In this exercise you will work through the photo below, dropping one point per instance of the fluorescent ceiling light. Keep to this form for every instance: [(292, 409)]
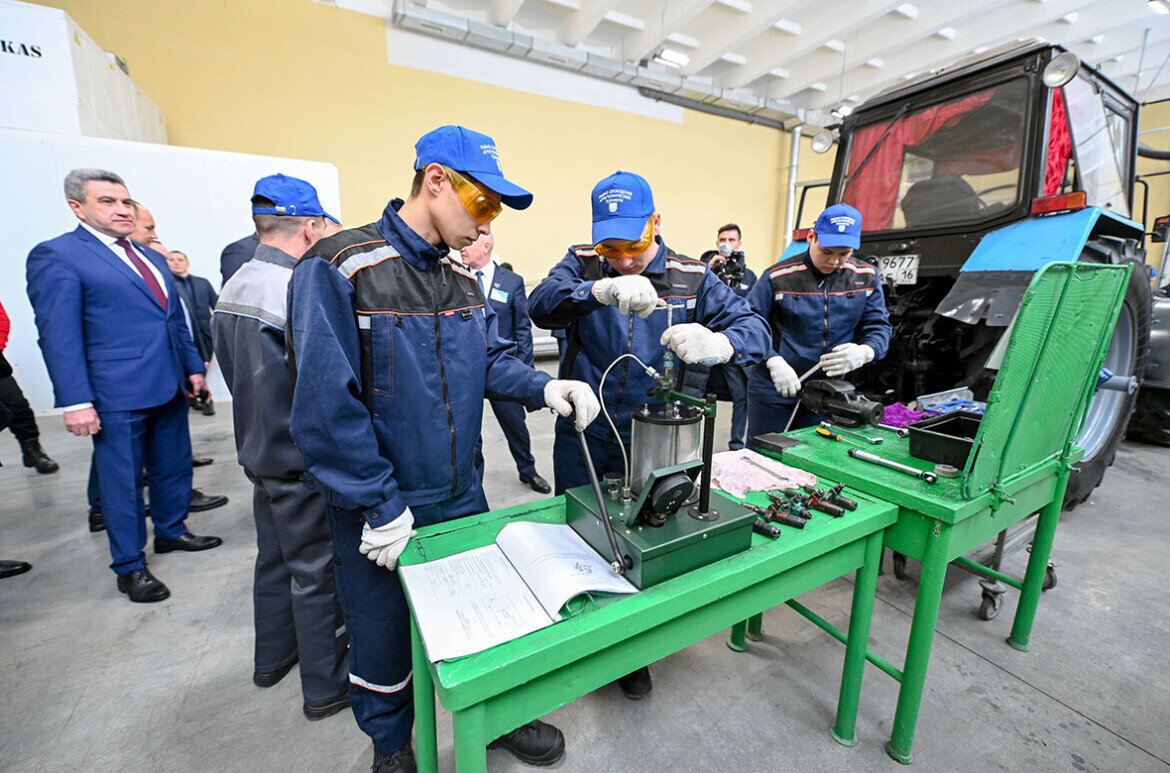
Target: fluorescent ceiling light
[(909, 10), (789, 26), (947, 33), (1158, 6), (680, 39), (672, 58), (778, 72), (875, 63), (733, 58)]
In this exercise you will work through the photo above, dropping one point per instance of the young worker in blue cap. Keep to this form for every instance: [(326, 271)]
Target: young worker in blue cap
[(824, 307), (611, 296), (394, 352), (293, 596)]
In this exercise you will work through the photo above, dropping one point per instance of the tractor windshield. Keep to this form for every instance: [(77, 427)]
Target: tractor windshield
[(953, 162)]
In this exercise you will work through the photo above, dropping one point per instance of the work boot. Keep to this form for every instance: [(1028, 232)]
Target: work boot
[(401, 761), (537, 743), (35, 457), (636, 685)]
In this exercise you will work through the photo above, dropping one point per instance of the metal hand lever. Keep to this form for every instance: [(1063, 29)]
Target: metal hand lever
[(618, 565)]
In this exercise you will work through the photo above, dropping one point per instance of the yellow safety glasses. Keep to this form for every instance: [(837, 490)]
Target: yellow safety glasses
[(481, 206), (614, 249)]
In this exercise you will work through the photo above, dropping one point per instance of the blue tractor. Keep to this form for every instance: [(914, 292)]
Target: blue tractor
[(971, 178)]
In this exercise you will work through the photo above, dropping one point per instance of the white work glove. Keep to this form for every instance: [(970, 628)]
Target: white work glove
[(563, 396), (385, 544), (845, 358), (627, 293), (696, 344), (784, 378)]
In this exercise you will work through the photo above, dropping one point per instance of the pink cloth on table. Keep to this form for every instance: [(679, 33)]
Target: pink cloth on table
[(731, 473), (898, 415)]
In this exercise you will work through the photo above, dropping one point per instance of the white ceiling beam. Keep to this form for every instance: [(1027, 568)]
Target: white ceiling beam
[(935, 52), (733, 33), (502, 12), (586, 20), (918, 49), (659, 26), (764, 56)]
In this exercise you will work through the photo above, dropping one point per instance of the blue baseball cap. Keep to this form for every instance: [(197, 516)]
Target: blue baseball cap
[(469, 153), (291, 196), (839, 226), (621, 204)]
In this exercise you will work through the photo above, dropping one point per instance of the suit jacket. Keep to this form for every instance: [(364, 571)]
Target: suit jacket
[(200, 300), (104, 336), (506, 295), (235, 255)]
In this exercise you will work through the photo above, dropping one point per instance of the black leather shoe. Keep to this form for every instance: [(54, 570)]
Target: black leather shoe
[(142, 586), (636, 685), (13, 568), (313, 713), (537, 743), (201, 501), (97, 522), (401, 761), (209, 408), (201, 461), (34, 456), (269, 678), (537, 484), (188, 542)]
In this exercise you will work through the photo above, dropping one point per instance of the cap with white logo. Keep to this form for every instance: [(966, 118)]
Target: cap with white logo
[(839, 226), (473, 154), (621, 203)]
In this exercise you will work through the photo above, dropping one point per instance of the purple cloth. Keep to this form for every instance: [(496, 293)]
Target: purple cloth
[(898, 415)]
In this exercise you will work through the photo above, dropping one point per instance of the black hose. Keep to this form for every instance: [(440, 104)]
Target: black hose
[(1145, 151)]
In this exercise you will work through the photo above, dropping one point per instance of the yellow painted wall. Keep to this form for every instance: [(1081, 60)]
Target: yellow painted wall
[(305, 80), (1154, 117)]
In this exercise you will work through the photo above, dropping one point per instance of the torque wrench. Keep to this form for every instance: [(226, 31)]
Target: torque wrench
[(865, 456)]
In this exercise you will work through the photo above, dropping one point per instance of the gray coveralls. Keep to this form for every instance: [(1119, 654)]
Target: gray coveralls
[(296, 610)]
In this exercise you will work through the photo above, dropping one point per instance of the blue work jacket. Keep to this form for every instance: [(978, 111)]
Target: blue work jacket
[(394, 351), (600, 334), (809, 313)]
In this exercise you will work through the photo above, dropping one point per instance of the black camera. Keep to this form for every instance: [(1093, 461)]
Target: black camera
[(729, 270)]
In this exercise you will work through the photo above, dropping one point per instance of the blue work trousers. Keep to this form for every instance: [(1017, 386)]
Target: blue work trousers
[(378, 622), (511, 417), (157, 439), (736, 379)]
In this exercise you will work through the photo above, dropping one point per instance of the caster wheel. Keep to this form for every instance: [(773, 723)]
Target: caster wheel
[(989, 608), (899, 566), (1049, 578)]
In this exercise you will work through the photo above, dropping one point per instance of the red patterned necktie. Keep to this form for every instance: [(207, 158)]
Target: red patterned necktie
[(147, 274)]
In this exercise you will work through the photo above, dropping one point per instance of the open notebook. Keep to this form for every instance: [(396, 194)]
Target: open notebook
[(470, 601)]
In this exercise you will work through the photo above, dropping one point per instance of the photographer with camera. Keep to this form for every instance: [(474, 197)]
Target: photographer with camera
[(728, 264)]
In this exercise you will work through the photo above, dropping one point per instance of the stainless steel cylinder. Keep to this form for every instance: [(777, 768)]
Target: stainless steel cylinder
[(662, 435)]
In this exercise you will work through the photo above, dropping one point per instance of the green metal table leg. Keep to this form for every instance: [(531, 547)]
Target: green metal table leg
[(930, 587), (755, 627), (470, 740), (424, 705), (1037, 566), (736, 640), (864, 590)]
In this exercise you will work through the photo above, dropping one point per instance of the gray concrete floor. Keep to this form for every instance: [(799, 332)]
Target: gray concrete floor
[(90, 681)]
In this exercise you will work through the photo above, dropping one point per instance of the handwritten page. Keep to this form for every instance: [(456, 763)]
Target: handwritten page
[(469, 602)]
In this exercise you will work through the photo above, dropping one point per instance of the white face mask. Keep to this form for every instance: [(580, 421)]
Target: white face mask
[(725, 250)]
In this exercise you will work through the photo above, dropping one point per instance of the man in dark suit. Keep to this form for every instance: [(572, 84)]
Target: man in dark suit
[(121, 360), (235, 255), (199, 297), (504, 290)]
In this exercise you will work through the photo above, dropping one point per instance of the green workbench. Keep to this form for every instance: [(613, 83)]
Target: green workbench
[(1020, 462), (492, 692)]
